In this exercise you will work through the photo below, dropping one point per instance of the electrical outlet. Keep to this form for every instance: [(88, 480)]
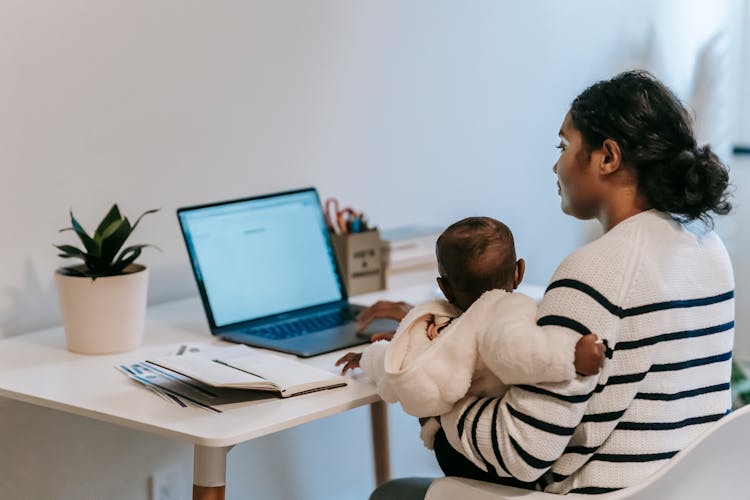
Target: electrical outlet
[(170, 484)]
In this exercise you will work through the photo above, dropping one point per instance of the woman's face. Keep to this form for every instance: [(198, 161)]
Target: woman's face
[(578, 181)]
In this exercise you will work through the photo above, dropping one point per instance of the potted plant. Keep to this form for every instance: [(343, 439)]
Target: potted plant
[(103, 300), (740, 386)]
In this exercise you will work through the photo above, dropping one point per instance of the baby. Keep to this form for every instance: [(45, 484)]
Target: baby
[(444, 350)]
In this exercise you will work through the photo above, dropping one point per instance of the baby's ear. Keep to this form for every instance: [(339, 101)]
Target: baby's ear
[(446, 289), (518, 273)]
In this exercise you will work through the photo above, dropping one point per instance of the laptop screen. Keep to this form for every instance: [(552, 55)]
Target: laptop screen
[(263, 256)]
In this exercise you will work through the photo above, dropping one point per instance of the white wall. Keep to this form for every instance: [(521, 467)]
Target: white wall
[(743, 26), (418, 112)]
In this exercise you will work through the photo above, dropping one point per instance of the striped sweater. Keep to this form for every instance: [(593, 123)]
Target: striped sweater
[(662, 295)]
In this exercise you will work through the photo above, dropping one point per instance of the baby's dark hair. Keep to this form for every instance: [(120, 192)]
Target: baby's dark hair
[(655, 135), (477, 254)]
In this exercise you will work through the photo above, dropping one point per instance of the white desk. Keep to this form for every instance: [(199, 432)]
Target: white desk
[(37, 368)]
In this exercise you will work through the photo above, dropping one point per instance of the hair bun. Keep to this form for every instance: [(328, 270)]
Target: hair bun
[(698, 180)]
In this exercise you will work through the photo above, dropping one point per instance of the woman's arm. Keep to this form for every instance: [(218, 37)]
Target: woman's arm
[(515, 349), (522, 434)]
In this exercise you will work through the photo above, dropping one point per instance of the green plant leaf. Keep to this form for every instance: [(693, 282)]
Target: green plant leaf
[(127, 257), (112, 216), (113, 242), (71, 252), (91, 246), (738, 374), (741, 391), (153, 210), (100, 257), (72, 271), (109, 230)]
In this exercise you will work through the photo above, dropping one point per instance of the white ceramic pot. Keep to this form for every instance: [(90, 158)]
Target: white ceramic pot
[(104, 315)]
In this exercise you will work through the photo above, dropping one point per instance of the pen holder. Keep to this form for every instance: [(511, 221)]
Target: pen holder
[(359, 258)]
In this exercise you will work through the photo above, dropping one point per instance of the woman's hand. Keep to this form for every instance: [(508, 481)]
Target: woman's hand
[(350, 361), (383, 309)]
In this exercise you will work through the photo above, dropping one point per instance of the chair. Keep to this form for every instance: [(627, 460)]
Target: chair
[(714, 466)]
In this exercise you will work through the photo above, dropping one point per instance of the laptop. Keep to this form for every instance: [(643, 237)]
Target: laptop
[(267, 273)]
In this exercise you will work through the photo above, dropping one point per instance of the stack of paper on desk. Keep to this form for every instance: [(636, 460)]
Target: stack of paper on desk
[(210, 376), (409, 246), (241, 367)]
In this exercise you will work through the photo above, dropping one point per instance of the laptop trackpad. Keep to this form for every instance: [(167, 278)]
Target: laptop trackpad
[(322, 342), (379, 326)]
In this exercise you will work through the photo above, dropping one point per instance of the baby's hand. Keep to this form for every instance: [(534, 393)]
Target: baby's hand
[(589, 357), (350, 361), (432, 330)]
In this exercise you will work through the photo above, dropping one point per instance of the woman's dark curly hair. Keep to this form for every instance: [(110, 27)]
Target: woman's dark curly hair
[(655, 135)]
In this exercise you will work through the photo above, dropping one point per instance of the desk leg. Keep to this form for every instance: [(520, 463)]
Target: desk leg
[(380, 441), (209, 472)]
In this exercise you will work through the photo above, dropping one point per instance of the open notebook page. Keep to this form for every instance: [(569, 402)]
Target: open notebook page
[(246, 368), (212, 373)]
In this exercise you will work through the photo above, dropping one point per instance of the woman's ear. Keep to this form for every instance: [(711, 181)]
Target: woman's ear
[(518, 273), (445, 287), (611, 157)]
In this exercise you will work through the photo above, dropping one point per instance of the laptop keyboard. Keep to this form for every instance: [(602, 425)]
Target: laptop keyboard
[(300, 326)]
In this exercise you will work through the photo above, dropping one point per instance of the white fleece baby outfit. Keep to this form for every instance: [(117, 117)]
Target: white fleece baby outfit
[(428, 376)]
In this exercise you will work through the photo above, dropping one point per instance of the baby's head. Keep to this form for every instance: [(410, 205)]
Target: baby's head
[(474, 255)]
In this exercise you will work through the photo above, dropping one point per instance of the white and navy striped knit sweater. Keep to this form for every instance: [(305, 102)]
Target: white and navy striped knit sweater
[(663, 298)]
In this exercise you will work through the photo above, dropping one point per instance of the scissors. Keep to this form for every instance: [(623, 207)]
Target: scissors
[(333, 215)]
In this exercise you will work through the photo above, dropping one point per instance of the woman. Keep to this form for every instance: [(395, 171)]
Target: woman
[(659, 289)]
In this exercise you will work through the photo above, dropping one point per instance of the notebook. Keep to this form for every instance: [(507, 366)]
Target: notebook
[(241, 367), (267, 273)]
